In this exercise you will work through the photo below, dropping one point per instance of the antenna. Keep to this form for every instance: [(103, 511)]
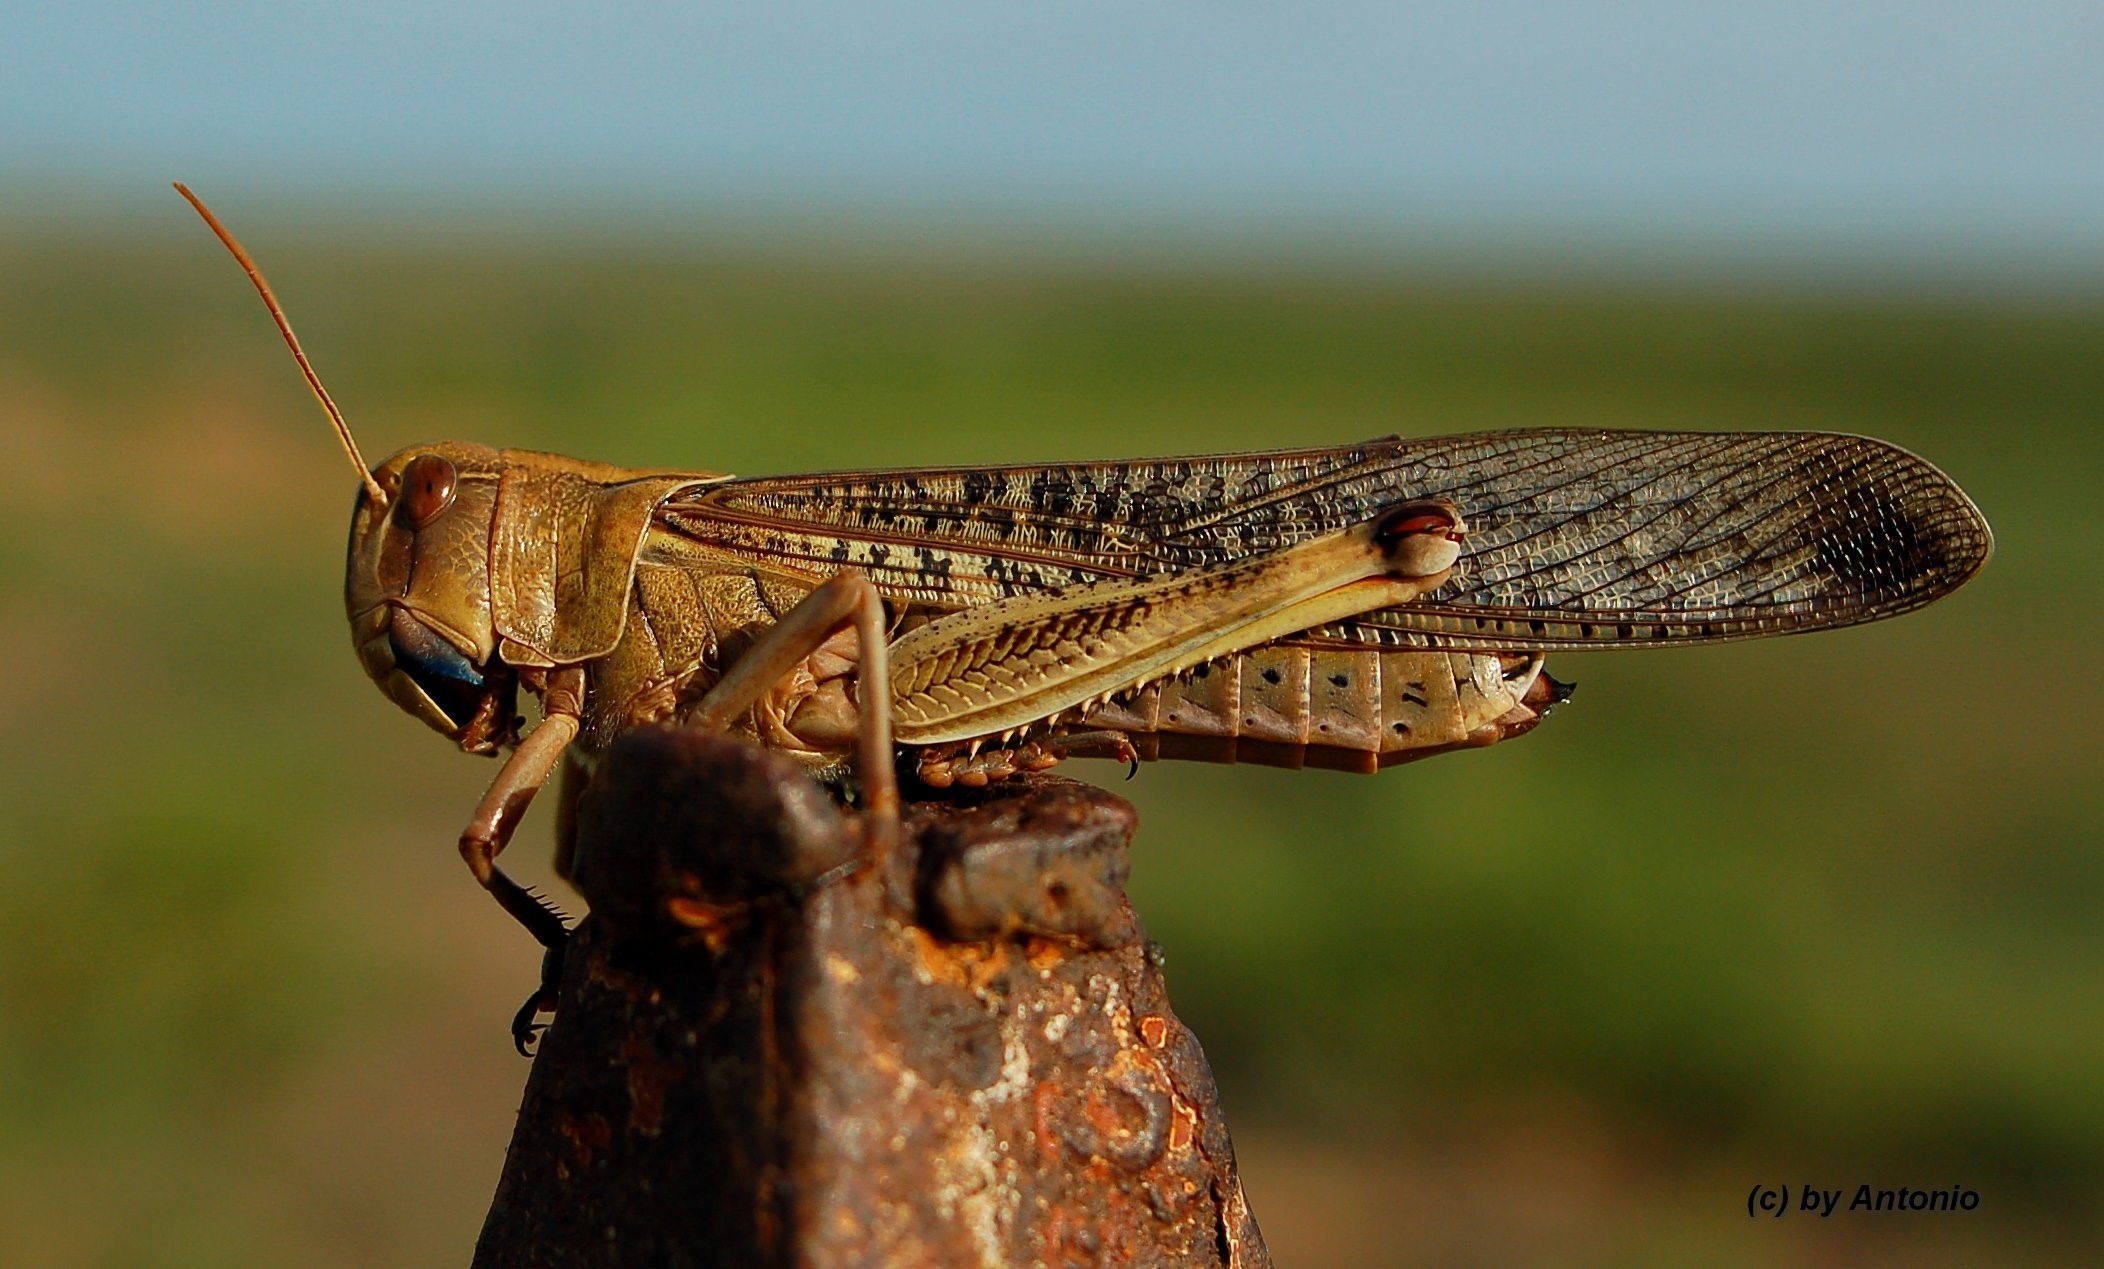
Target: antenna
[(277, 314)]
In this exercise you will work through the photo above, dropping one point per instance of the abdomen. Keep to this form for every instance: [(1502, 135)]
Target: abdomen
[(1296, 704)]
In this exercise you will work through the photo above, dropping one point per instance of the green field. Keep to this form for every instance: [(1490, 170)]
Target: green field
[(1811, 910)]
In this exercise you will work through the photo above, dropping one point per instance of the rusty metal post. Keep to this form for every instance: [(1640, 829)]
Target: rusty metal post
[(765, 1057)]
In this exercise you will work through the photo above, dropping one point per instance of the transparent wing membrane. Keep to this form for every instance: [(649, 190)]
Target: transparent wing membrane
[(1575, 538)]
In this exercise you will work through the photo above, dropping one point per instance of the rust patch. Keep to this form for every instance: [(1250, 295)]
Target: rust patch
[(714, 925), (1044, 1130), (1123, 1120), (648, 1077), (1183, 1125), (588, 1136)]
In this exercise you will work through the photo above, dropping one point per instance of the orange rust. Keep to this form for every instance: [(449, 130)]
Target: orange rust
[(1099, 1106), (587, 1134), (1044, 955), (985, 964), (976, 967), (648, 1077), (1155, 1030), (938, 960), (767, 1228), (714, 924), (1183, 1125), (1044, 1100)]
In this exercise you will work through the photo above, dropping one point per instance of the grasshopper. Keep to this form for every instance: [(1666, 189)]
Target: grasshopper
[(1350, 607)]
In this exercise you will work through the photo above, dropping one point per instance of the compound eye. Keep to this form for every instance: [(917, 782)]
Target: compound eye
[(428, 483)]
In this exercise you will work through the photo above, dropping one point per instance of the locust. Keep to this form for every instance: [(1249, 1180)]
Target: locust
[(1350, 606)]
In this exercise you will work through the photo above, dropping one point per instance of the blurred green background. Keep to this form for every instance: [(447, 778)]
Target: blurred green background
[(1810, 910), (1818, 910)]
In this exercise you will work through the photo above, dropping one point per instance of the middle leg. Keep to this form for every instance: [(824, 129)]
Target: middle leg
[(843, 598)]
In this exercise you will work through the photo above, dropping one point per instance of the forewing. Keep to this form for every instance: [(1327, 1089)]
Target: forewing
[(959, 536), (1575, 538)]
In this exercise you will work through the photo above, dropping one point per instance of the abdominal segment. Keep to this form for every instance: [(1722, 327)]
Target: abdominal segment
[(1307, 704)]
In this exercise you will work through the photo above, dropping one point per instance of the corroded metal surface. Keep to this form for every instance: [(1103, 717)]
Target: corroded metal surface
[(765, 1057)]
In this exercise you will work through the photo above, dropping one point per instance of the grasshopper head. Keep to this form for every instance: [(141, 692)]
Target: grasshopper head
[(418, 592), (418, 580)]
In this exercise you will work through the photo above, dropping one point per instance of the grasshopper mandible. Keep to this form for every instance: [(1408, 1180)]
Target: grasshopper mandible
[(1350, 607)]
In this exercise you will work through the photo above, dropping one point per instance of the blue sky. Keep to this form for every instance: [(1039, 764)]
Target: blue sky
[(1945, 128)]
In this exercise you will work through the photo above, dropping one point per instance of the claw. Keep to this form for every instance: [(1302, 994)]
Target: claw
[(525, 1030)]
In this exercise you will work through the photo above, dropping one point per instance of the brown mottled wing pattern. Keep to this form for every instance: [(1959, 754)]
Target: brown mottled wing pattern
[(1575, 538)]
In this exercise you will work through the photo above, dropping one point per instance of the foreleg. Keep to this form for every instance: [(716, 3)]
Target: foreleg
[(489, 831)]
